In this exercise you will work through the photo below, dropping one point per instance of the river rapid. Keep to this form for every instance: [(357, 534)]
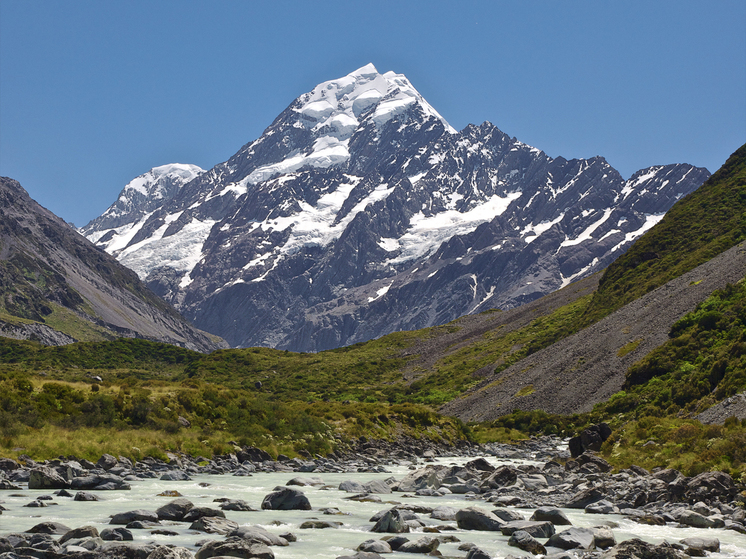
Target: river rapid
[(315, 543)]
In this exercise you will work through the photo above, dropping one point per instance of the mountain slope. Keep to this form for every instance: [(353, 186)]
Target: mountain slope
[(53, 280), (705, 229), (360, 212)]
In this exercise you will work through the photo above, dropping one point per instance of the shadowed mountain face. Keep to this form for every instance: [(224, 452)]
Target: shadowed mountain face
[(57, 287), (360, 212)]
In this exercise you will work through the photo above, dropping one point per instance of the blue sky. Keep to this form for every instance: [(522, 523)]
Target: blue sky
[(94, 93)]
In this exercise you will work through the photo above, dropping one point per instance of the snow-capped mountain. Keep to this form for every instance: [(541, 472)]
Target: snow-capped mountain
[(361, 211)]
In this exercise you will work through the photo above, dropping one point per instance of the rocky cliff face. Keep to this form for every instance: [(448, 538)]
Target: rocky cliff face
[(47, 269), (360, 211)]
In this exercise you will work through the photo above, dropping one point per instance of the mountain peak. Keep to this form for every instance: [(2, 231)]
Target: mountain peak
[(340, 103)]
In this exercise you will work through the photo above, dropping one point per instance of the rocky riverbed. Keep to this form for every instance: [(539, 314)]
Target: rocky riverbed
[(377, 500)]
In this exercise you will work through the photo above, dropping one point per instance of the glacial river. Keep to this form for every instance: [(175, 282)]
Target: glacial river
[(313, 543)]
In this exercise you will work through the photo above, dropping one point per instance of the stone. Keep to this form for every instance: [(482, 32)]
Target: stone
[(195, 513), (257, 534), (166, 552), (214, 525), (236, 505), (696, 520), (319, 524), (636, 548), (553, 515), (377, 486), (175, 475), (286, 499), (107, 462), (583, 498), (477, 553), (475, 518), (573, 538), (479, 464), (48, 528), (503, 476), (106, 482), (425, 544), (174, 510), (698, 546), (78, 533), (116, 534), (305, 481), (83, 496), (601, 507), (375, 546), (535, 529), (234, 547), (443, 513), (603, 537), (709, 485), (44, 477), (525, 541), (392, 521), (350, 486), (508, 515), (131, 516)]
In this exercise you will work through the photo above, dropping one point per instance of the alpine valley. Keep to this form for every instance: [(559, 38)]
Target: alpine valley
[(360, 211)]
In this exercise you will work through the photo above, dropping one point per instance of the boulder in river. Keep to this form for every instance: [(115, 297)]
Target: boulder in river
[(475, 518), (286, 498), (392, 521), (44, 477), (234, 547)]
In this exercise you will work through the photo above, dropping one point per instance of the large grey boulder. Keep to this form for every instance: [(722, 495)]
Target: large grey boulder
[(583, 498), (78, 533), (175, 510), (350, 486), (443, 513), (525, 541), (257, 534), (375, 546), (636, 548), (133, 515), (44, 477), (696, 546), (107, 462), (105, 482), (553, 515), (696, 520), (166, 552), (195, 513), (710, 485), (573, 538), (475, 518), (425, 544), (48, 528), (214, 525), (534, 528), (503, 476), (116, 535), (234, 547), (429, 476), (392, 521), (286, 498)]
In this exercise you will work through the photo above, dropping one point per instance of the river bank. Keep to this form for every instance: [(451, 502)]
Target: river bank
[(476, 503)]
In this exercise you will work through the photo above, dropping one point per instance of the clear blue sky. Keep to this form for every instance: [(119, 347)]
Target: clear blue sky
[(94, 93)]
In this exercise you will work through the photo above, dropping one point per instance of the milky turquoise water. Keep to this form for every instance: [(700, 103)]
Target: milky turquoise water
[(312, 543)]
